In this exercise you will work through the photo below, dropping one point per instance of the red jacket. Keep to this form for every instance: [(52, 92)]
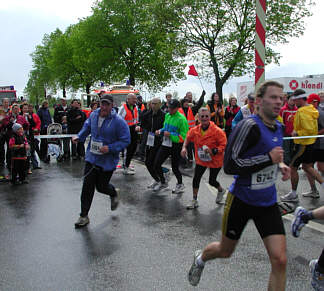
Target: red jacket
[(287, 115), (7, 124), (215, 138)]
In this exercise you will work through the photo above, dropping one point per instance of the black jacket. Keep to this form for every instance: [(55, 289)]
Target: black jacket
[(59, 112), (75, 124), (152, 122)]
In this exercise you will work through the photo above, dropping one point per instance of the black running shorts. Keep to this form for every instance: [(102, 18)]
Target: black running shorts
[(302, 154), (267, 220)]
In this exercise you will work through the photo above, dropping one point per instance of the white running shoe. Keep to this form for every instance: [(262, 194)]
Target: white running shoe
[(160, 186), (289, 197), (220, 196), (153, 184), (195, 270), (193, 204), (179, 188), (128, 171), (312, 194)]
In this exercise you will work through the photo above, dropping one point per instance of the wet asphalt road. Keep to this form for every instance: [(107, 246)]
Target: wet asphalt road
[(146, 244)]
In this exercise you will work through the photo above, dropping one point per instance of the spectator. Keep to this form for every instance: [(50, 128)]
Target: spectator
[(164, 107), (19, 146), (60, 111), (76, 118), (287, 113), (9, 120), (46, 119), (231, 110), (216, 109), (245, 111)]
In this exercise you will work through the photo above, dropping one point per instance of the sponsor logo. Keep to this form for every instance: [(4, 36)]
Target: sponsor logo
[(293, 84)]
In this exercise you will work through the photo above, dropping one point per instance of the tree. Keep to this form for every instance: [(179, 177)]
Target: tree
[(143, 38), (41, 78), (220, 34)]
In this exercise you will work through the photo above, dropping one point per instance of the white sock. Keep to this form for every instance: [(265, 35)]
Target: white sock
[(294, 192), (200, 262)]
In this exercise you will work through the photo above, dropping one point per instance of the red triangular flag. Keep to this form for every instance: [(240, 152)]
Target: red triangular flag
[(192, 71)]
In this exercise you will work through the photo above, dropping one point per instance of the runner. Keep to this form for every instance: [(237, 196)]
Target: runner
[(109, 136), (318, 149), (253, 153), (209, 142), (174, 133), (153, 120), (129, 112), (305, 124), (302, 217)]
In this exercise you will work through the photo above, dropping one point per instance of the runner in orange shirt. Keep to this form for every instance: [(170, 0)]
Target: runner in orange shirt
[(209, 141)]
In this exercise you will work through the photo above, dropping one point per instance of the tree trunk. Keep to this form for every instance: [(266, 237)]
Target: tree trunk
[(64, 92), (219, 90), (132, 80), (88, 94)]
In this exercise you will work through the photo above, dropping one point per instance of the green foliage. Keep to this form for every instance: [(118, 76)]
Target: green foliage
[(220, 34), (143, 37)]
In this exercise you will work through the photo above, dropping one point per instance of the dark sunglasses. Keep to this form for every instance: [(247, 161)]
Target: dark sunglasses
[(203, 116)]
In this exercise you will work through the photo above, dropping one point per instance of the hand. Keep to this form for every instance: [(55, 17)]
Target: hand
[(285, 171), (207, 150), (294, 133), (166, 133), (137, 128), (276, 155), (184, 152), (157, 132), (27, 147), (21, 146), (104, 149), (75, 139), (78, 117)]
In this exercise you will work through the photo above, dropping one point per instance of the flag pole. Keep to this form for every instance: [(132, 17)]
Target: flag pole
[(200, 83)]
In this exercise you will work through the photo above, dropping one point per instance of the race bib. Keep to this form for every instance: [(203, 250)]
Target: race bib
[(150, 139), (203, 156), (95, 147), (264, 178), (167, 141)]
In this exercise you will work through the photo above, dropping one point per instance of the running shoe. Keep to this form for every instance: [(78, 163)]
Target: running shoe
[(82, 221), (153, 184), (195, 270), (160, 186), (179, 188), (128, 171), (114, 200), (312, 194), (297, 224), (193, 204), (289, 197), (220, 196), (317, 277)]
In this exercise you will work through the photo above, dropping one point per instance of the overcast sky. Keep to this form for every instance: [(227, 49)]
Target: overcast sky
[(24, 23)]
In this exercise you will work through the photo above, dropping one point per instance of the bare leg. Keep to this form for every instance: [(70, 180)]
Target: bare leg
[(195, 193), (276, 248), (294, 178), (311, 171), (318, 213), (222, 249)]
